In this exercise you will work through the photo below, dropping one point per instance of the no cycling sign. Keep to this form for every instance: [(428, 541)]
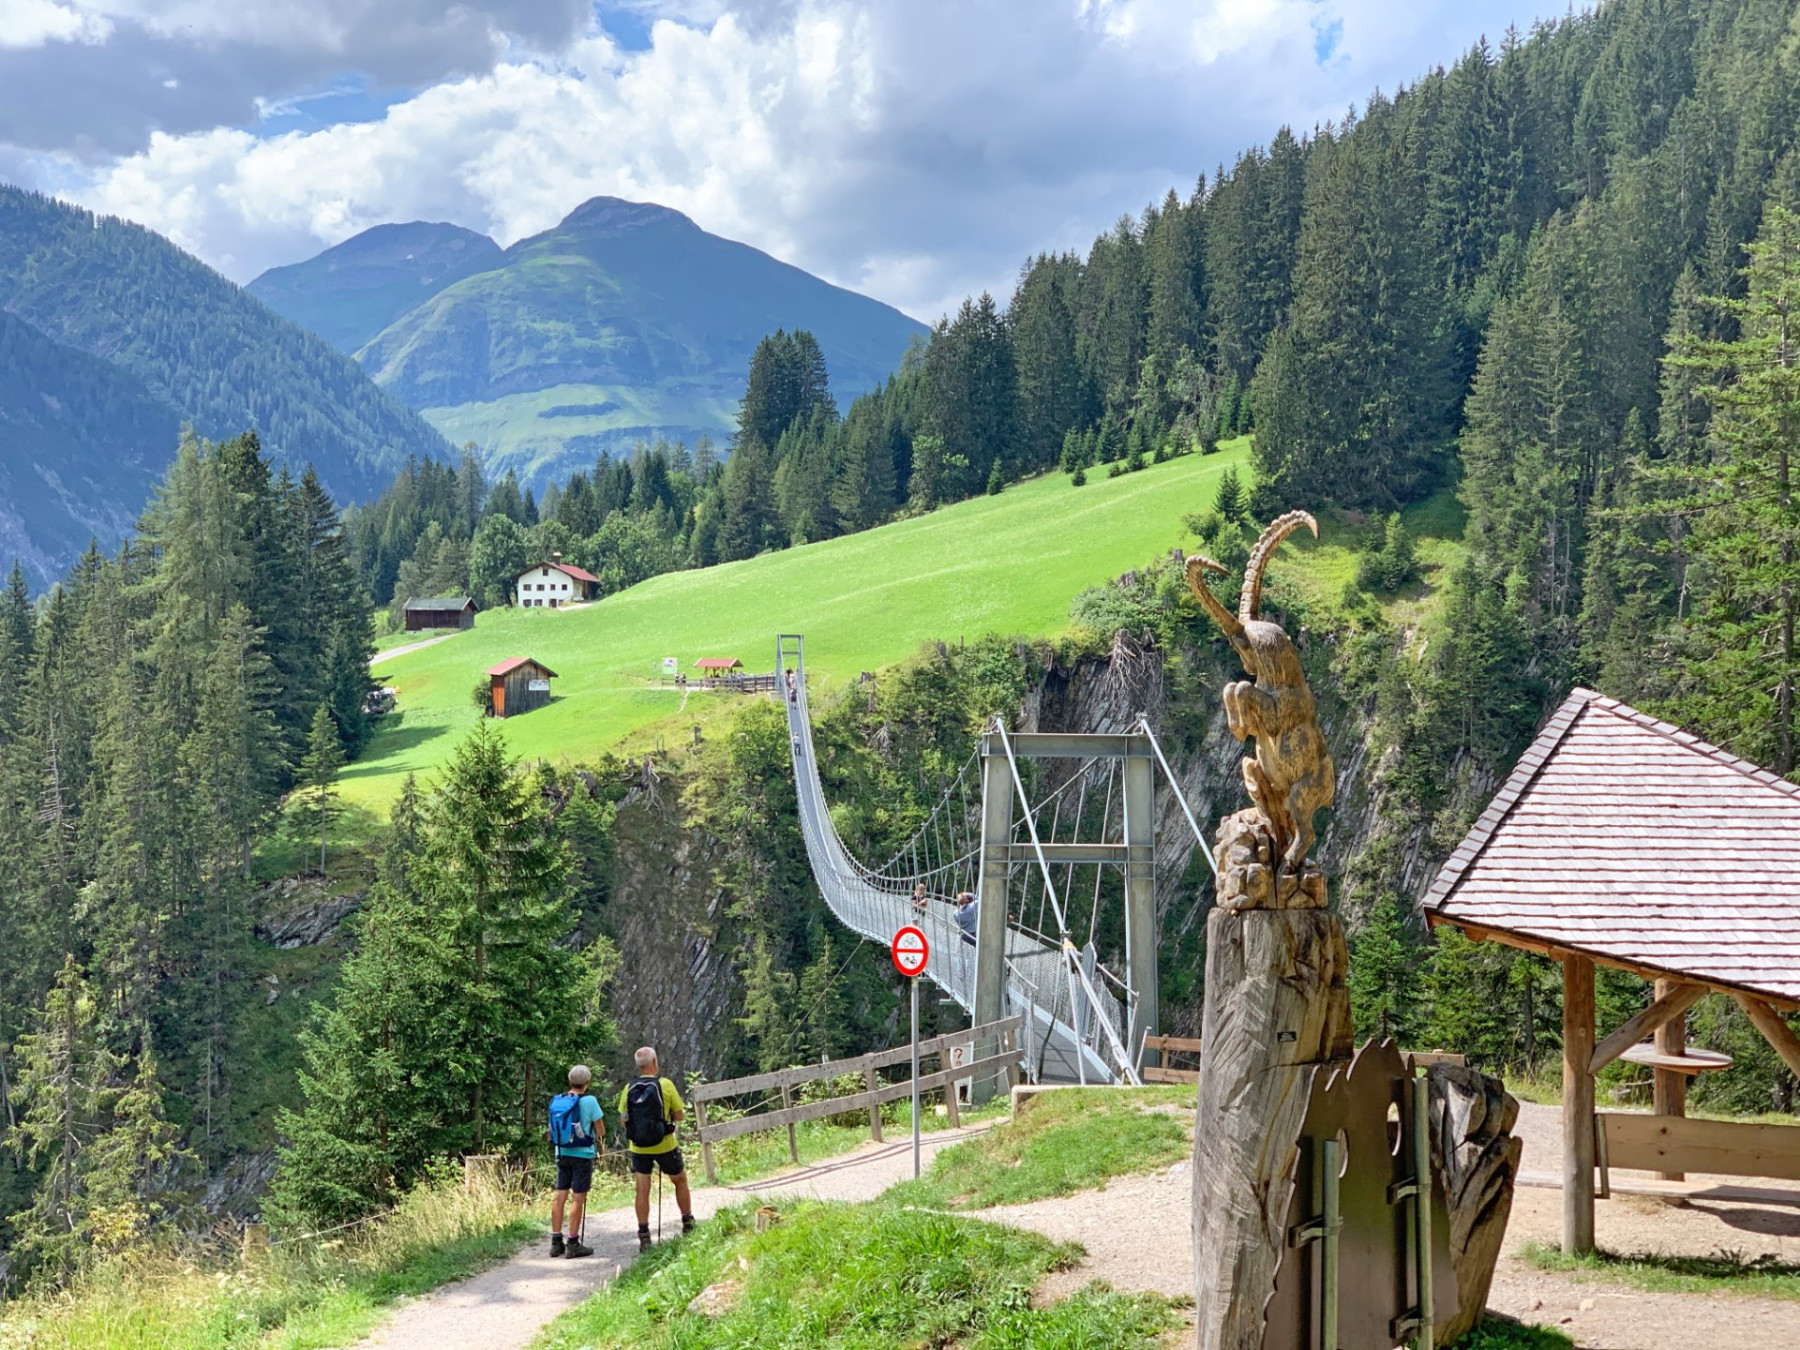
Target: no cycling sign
[(911, 952)]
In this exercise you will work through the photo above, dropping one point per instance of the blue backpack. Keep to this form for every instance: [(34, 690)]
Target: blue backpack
[(566, 1127)]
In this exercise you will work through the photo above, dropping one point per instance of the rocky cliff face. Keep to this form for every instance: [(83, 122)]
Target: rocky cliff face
[(677, 989)]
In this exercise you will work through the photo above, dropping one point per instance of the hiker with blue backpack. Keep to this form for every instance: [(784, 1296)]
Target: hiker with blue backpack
[(650, 1107), (574, 1126)]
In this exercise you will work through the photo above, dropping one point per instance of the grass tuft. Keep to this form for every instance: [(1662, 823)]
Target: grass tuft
[(302, 1295), (1502, 1333), (1723, 1272), (833, 1277), (1070, 1140)]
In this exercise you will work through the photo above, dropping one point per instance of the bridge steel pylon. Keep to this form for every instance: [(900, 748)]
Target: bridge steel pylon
[(1134, 855)]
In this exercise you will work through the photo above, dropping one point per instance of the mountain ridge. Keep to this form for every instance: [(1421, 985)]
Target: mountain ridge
[(624, 320), (178, 334)]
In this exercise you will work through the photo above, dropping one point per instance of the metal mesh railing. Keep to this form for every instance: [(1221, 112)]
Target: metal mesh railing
[(1072, 1024)]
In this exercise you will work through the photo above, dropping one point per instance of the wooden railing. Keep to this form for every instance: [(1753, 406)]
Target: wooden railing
[(1676, 1144), (1172, 1045), (875, 1095)]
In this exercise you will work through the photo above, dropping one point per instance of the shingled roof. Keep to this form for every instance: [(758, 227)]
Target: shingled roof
[(1629, 840)]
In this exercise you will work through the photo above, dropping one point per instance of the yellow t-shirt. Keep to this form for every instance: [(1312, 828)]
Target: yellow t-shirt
[(671, 1104)]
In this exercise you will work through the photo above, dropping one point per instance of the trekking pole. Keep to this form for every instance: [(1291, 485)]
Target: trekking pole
[(659, 1177)]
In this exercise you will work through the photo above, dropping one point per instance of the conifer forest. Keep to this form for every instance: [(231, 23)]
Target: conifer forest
[(1554, 283)]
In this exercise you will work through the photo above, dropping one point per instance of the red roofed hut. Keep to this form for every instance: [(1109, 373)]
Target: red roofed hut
[(518, 686), (717, 667), (1623, 841)]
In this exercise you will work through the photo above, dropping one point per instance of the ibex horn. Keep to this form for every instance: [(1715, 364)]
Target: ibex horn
[(1197, 568), (1250, 603)]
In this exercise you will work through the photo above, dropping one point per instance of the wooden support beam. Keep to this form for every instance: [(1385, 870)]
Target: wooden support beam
[(1775, 1031), (787, 1100), (1663, 1011), (1578, 1106), (874, 1081), (1669, 1088)]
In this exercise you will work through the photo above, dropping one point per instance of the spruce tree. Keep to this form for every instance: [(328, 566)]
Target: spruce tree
[(1231, 502), (315, 803), (1747, 526)]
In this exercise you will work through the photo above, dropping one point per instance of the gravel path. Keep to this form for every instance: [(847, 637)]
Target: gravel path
[(392, 652), (1137, 1235), (504, 1307)]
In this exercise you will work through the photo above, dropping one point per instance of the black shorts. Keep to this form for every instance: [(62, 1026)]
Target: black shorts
[(646, 1163), (574, 1174)]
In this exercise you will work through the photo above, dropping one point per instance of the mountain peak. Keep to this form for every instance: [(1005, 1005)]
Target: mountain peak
[(615, 215)]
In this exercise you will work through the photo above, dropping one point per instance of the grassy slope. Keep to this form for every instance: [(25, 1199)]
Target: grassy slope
[(1007, 564)]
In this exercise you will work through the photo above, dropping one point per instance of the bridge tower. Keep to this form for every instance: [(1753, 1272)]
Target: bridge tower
[(1134, 854)]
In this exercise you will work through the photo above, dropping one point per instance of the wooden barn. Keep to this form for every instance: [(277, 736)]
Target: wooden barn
[(450, 611), (519, 685)]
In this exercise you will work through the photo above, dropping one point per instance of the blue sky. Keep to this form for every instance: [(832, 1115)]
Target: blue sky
[(918, 151)]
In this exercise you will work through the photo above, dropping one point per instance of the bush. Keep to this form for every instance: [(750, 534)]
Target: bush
[(482, 696)]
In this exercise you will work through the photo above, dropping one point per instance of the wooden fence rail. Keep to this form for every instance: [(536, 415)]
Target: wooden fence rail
[(874, 1096), (1165, 1046)]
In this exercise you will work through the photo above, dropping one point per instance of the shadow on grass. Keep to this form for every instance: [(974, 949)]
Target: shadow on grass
[(397, 740)]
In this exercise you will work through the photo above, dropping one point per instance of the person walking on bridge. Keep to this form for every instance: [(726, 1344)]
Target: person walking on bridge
[(574, 1123), (968, 908), (651, 1109)]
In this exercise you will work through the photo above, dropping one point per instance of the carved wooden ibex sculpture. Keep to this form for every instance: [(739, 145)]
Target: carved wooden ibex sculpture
[(1290, 777)]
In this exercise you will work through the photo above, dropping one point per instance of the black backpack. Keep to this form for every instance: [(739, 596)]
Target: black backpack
[(646, 1122)]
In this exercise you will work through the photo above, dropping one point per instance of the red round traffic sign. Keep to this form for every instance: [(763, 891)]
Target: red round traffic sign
[(911, 951)]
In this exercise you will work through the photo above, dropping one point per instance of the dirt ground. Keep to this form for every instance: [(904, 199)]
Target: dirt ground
[(1138, 1237)]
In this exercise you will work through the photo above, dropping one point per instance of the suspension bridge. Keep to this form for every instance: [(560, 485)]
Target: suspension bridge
[(1054, 834)]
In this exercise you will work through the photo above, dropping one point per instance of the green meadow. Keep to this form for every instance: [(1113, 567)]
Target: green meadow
[(1004, 564)]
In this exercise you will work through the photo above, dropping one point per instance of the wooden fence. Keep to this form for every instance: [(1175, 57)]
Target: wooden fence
[(875, 1095), (1677, 1144), (1171, 1045)]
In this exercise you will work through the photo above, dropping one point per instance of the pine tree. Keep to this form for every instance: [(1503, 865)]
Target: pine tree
[(315, 789), (996, 479), (63, 1068), (1231, 502), (1381, 977), (749, 522), (1747, 531), (15, 613)]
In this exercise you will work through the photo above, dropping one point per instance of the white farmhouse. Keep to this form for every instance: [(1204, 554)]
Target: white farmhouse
[(553, 584)]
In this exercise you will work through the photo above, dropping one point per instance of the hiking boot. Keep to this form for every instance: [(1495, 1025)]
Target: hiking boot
[(643, 1239), (687, 1223), (556, 1244), (577, 1247)]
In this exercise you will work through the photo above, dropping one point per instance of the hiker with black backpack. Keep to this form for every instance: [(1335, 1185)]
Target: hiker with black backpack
[(574, 1124), (650, 1107)]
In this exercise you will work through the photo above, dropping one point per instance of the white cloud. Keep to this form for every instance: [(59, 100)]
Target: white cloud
[(33, 23), (917, 152)]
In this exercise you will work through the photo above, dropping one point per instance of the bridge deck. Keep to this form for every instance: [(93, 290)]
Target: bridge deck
[(1038, 986)]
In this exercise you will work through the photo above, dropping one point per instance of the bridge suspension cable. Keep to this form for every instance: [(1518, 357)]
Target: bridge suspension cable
[(1080, 1029)]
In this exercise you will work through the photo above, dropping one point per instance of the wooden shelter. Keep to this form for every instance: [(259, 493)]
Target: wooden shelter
[(452, 611), (519, 685), (1623, 841), (717, 667)]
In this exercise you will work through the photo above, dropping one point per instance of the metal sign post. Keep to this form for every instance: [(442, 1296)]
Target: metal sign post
[(911, 952)]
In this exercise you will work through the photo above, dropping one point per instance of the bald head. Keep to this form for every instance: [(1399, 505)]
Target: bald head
[(646, 1060)]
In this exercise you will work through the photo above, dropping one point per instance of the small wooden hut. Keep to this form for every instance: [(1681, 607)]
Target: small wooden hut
[(1623, 841), (519, 685), (718, 667), (450, 611)]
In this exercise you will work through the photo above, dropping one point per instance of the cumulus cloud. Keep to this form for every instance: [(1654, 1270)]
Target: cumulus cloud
[(916, 152), (35, 23), (96, 78)]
